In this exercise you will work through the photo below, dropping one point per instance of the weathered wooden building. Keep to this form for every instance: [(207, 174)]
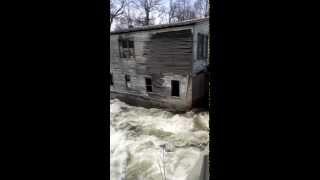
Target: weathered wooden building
[(160, 65)]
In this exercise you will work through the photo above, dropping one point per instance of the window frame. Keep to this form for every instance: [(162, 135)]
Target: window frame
[(128, 51), (202, 46)]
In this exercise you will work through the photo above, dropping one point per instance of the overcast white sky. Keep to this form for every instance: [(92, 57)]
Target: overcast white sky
[(157, 18)]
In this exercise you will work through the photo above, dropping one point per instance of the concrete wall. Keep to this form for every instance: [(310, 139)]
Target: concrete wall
[(201, 170)]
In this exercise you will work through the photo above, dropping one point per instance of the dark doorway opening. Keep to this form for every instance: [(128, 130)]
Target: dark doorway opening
[(175, 88), (111, 79), (149, 84)]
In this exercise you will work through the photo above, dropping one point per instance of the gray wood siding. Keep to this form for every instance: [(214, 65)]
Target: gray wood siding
[(161, 55), (169, 52), (199, 64)]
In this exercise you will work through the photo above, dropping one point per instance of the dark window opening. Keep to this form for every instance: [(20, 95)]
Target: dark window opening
[(202, 47), (126, 48), (199, 47), (127, 78), (124, 44), (149, 84), (175, 88), (206, 47), (131, 44), (111, 79)]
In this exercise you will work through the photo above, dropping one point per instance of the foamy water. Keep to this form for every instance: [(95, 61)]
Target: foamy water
[(136, 136)]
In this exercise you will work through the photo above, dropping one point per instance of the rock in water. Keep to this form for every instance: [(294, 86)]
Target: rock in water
[(168, 147)]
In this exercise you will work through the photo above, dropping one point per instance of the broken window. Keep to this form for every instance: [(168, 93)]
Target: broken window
[(111, 79), (126, 48), (202, 48), (127, 78), (149, 84), (175, 88)]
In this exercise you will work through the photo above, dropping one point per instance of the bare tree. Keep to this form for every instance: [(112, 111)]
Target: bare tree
[(147, 6), (145, 12), (116, 9), (172, 10), (163, 15), (139, 20), (202, 8), (184, 10), (122, 23), (127, 19)]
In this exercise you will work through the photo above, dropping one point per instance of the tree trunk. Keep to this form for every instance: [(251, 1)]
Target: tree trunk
[(147, 18)]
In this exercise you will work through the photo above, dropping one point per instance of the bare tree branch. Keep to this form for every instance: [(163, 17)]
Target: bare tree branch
[(116, 9), (184, 10), (148, 6), (202, 8)]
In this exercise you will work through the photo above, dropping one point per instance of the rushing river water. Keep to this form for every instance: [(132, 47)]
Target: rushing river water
[(137, 136)]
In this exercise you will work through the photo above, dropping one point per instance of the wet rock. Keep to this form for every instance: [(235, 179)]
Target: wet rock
[(124, 109), (168, 147), (188, 114)]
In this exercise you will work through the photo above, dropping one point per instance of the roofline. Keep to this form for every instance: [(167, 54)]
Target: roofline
[(161, 26)]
